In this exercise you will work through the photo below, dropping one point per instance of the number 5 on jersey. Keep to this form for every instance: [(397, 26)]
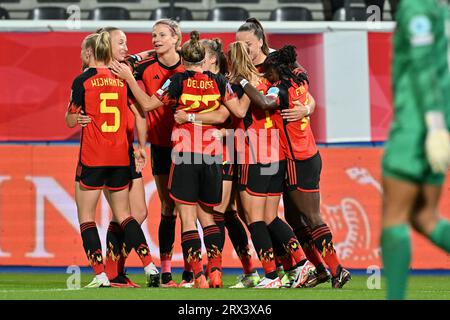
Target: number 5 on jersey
[(104, 108)]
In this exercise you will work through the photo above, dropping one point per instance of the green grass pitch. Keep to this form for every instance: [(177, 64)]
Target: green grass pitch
[(37, 286)]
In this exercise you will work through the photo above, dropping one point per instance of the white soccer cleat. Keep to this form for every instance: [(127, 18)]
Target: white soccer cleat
[(152, 275), (267, 283), (305, 276), (186, 284), (99, 281), (247, 281)]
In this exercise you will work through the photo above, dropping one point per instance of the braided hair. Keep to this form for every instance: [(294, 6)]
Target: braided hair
[(283, 61)]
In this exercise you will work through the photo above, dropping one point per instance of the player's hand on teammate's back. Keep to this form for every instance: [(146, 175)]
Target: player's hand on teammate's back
[(180, 117), (297, 113), (437, 143), (82, 119)]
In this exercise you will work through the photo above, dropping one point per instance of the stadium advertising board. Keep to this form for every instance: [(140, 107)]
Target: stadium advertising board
[(39, 226)]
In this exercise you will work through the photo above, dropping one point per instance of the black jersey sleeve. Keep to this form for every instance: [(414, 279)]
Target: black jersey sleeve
[(77, 95)]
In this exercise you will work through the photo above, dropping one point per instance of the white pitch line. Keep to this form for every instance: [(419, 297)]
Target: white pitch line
[(36, 290)]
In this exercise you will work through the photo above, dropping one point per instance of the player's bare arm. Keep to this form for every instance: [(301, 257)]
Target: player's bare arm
[(265, 102), (238, 106), (299, 111), (140, 154), (146, 102)]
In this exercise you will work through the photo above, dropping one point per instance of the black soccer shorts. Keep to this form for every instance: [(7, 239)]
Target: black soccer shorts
[(304, 175), (262, 179), (161, 159), (112, 178), (196, 183)]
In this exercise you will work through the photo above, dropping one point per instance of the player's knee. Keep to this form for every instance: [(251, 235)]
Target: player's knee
[(395, 214), (221, 207), (313, 217), (140, 215), (424, 221)]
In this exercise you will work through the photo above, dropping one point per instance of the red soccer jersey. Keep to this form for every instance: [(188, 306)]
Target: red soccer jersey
[(261, 142), (160, 121), (195, 92), (103, 97), (297, 138)]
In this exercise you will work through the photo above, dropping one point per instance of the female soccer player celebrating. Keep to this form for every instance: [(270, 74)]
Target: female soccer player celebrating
[(260, 192), (103, 159), (304, 162), (159, 66), (197, 153)]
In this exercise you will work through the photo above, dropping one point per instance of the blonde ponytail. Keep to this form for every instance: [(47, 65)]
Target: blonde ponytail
[(103, 48)]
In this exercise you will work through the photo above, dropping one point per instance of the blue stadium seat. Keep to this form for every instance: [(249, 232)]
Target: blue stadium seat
[(109, 13), (291, 14), (228, 14), (48, 13), (3, 14), (179, 13)]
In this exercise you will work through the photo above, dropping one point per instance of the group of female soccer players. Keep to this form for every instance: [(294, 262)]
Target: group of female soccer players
[(229, 136)]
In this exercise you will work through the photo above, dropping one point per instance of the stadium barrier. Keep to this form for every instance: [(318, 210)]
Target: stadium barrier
[(39, 226), (348, 65)]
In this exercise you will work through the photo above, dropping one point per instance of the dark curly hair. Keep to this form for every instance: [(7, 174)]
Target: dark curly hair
[(284, 62)]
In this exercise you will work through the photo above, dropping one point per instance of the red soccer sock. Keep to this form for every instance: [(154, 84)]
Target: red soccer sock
[(246, 259), (111, 265), (268, 262), (323, 240), (92, 246), (134, 238), (263, 245), (114, 244), (192, 250), (212, 237), (288, 262), (187, 266), (304, 236), (283, 234), (313, 254)]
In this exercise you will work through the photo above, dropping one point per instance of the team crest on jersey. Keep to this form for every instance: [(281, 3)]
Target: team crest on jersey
[(420, 30)]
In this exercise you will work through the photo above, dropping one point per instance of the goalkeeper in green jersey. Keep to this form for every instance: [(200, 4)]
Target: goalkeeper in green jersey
[(417, 154)]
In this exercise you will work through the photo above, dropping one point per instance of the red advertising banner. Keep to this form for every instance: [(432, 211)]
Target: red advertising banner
[(38, 69), (39, 225)]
